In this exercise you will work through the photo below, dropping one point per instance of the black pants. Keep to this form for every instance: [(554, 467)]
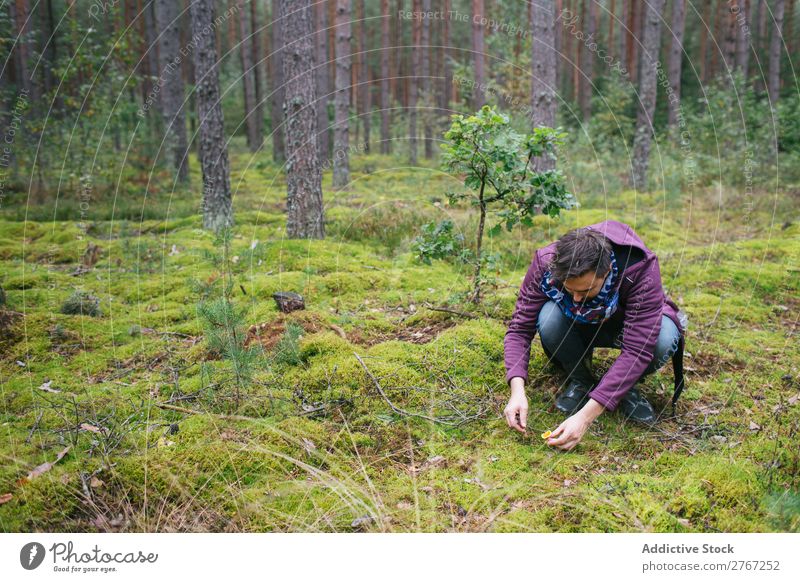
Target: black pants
[(570, 344)]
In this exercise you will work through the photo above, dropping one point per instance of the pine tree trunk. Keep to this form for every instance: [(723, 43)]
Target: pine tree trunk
[(622, 51), (48, 36), (587, 59), (478, 55), (647, 92), (395, 59), (341, 131), (413, 89), (246, 58), (167, 13), (25, 48), (303, 173), (676, 59), (323, 83), (258, 67), (364, 99), (612, 17), (744, 36), (705, 31), (217, 206), (151, 36), (788, 34), (427, 101), (633, 39), (728, 21), (276, 85), (543, 58), (447, 90), (775, 49), (386, 18)]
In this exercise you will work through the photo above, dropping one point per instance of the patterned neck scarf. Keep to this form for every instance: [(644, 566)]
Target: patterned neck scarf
[(595, 310)]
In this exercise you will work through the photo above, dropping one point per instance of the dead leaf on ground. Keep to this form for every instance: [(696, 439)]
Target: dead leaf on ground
[(429, 464), (5, 498), (308, 445), (45, 467), (754, 426), (46, 387), (90, 428), (95, 483)]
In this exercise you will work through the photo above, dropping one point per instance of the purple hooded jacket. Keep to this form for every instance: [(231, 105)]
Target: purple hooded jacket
[(642, 302)]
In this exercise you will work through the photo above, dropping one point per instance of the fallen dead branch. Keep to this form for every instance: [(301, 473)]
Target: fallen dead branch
[(448, 310), (183, 410), (455, 420)]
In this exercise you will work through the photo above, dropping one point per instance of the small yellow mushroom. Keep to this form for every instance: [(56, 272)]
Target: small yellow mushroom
[(546, 434)]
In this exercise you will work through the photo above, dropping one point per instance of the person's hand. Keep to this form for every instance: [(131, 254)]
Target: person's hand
[(516, 411), (570, 432)]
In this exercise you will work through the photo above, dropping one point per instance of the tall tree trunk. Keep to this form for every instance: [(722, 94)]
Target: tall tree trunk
[(587, 59), (167, 21), (728, 21), (763, 35), (543, 58), (150, 36), (246, 56), (364, 99), (775, 49), (427, 103), (622, 51), (631, 48), (258, 68), (341, 131), (791, 39), (395, 59), (718, 36), (217, 205), (612, 16), (577, 54), (559, 42), (47, 24), (386, 18), (276, 74), (705, 33), (478, 55), (303, 173), (447, 90), (647, 92), (744, 36), (412, 84), (21, 18), (762, 45), (676, 59), (323, 83)]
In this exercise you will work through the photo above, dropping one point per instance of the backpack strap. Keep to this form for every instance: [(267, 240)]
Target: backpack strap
[(677, 368)]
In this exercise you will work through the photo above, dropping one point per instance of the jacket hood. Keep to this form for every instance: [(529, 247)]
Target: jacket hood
[(620, 233)]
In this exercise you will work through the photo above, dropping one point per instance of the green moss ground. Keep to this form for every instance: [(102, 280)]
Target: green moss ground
[(728, 462)]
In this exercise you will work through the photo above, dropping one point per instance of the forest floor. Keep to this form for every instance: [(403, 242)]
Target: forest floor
[(301, 439)]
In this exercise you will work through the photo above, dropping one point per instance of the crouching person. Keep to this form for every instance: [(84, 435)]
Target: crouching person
[(597, 286)]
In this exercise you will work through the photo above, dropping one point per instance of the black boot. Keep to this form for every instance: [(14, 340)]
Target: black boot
[(573, 397), (635, 407)]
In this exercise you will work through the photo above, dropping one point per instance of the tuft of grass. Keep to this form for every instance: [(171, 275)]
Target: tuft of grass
[(82, 303)]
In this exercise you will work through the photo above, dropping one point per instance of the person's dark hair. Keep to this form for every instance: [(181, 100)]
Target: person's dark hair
[(579, 252)]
